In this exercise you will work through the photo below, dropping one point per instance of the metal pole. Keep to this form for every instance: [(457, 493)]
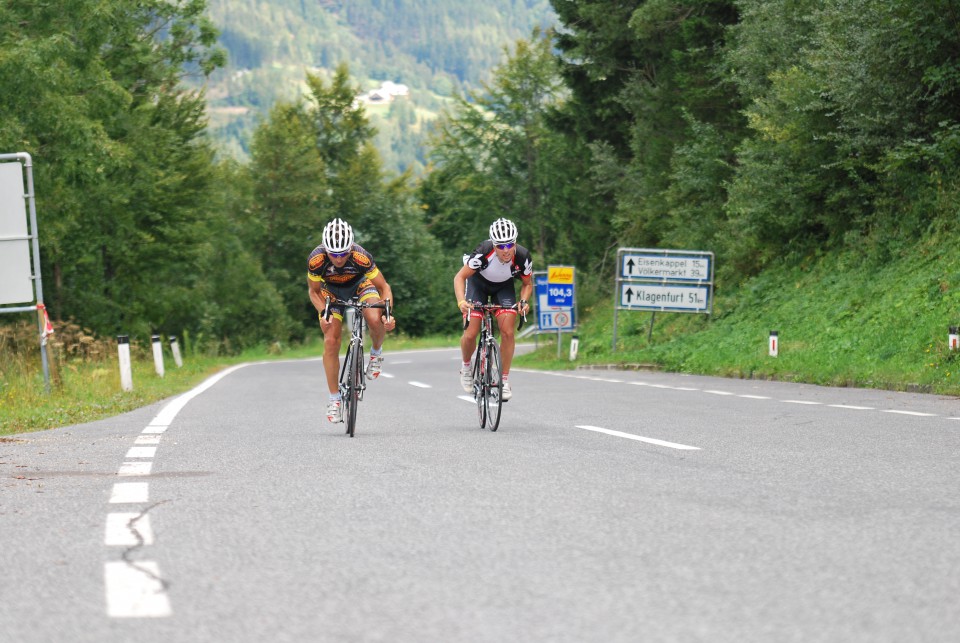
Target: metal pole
[(613, 349), (38, 279)]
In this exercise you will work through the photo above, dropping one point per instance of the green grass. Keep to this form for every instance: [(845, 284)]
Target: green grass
[(843, 320), (90, 390)]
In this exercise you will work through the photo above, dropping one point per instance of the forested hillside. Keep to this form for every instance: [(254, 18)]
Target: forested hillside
[(775, 133), (435, 47)]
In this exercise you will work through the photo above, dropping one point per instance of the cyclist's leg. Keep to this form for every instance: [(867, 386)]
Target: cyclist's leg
[(331, 342), (367, 292), (506, 295), (476, 291)]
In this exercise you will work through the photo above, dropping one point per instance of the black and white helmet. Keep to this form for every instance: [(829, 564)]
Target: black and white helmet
[(338, 236), (503, 231)]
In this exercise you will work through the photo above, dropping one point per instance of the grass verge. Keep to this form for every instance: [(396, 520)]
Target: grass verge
[(87, 389)]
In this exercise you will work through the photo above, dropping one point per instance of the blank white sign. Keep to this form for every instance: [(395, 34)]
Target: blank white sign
[(16, 283)]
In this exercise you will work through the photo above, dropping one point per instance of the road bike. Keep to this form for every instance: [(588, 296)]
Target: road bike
[(353, 375), (487, 374)]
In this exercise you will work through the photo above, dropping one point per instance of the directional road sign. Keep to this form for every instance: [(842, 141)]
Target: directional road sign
[(673, 298), (672, 267)]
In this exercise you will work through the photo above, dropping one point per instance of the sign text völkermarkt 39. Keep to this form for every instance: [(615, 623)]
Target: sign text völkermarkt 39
[(676, 267)]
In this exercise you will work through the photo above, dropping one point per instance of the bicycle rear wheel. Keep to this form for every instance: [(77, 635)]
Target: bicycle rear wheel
[(478, 388), (493, 387)]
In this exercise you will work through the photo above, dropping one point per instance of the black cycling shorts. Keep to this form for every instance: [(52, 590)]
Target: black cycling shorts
[(486, 292)]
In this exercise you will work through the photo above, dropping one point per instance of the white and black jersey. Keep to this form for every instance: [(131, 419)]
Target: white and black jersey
[(490, 269)]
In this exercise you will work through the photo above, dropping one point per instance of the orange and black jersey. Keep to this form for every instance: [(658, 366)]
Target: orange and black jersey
[(360, 265), (484, 260)]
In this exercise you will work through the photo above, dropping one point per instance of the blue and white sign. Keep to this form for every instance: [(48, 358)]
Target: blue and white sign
[(560, 295), (550, 316)]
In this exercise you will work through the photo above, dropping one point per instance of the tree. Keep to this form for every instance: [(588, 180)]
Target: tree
[(495, 155)]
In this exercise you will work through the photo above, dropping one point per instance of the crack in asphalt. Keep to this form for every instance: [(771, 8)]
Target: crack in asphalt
[(164, 584)]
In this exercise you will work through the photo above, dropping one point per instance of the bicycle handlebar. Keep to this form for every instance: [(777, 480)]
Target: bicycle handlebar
[(359, 305), (482, 307)]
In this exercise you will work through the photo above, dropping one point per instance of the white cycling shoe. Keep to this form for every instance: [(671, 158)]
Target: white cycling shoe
[(334, 412), (507, 393), (375, 366), (466, 379)]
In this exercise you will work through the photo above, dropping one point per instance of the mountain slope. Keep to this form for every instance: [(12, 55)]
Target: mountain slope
[(435, 47)]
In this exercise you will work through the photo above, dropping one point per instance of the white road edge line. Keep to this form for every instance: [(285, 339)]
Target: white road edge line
[(419, 384), (807, 402), (135, 591), (917, 413), (467, 398), (135, 469), (123, 528), (850, 406), (141, 452), (630, 436), (129, 492)]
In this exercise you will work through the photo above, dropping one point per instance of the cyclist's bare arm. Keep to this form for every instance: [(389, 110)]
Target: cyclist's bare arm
[(526, 291), (316, 296), (386, 294), (460, 287)]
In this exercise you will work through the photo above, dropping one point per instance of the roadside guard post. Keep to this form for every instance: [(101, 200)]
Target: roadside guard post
[(123, 356), (157, 354), (175, 349), (774, 343), (20, 281), (676, 281), (555, 291)]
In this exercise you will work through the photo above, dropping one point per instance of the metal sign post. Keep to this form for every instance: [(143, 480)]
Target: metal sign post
[(677, 281), (20, 281)]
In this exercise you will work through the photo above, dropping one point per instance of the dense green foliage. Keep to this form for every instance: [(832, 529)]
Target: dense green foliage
[(764, 128), (497, 156), (776, 133)]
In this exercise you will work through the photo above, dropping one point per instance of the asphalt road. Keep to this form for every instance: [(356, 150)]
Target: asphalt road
[(610, 506)]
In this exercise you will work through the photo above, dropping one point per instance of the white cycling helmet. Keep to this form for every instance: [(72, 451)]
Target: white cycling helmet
[(503, 231), (338, 236)]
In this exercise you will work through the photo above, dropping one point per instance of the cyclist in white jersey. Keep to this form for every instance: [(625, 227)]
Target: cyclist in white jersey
[(487, 276)]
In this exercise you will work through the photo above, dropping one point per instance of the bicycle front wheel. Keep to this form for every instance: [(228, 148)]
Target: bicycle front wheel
[(493, 387), (355, 379), (478, 388)]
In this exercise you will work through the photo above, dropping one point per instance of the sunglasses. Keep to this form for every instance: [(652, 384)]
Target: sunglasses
[(337, 255), (505, 246)]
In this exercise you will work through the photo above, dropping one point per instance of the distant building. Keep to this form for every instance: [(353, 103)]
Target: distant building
[(387, 92)]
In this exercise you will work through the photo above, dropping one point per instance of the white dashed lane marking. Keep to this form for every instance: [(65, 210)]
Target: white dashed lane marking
[(141, 452), (745, 396), (128, 530), (639, 438), (128, 492), (917, 413), (136, 589)]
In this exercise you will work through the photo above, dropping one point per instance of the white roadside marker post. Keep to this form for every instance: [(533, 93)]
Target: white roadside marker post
[(175, 347), (123, 353), (157, 354)]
